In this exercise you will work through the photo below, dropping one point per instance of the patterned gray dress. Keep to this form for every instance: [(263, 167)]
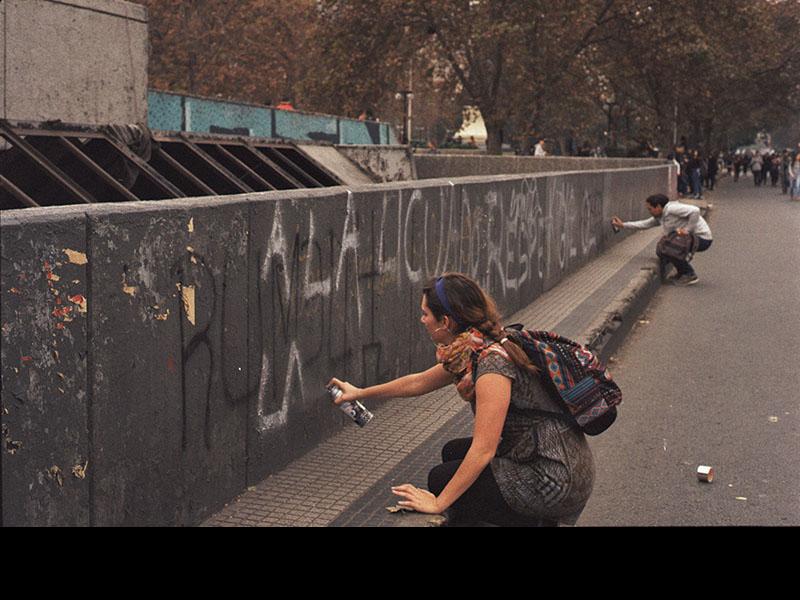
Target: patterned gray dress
[(543, 467)]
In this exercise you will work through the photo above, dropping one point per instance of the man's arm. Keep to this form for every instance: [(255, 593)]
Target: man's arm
[(645, 224)]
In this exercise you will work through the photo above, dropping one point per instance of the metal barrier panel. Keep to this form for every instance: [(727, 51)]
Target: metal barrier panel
[(175, 112), (360, 132), (50, 164), (164, 111), (299, 126), (206, 116), (388, 136)]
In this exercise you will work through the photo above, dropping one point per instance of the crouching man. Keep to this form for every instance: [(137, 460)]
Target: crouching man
[(682, 220)]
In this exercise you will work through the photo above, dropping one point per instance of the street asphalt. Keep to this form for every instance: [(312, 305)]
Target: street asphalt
[(710, 377)]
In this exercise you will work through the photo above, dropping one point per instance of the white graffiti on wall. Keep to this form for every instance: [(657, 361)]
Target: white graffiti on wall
[(510, 238), (311, 289), (350, 246), (279, 418), (391, 264)]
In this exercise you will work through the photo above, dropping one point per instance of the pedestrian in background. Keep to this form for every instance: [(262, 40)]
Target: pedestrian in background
[(696, 175), (711, 170), (683, 170), (774, 168), (756, 166), (794, 176), (786, 159), (516, 469)]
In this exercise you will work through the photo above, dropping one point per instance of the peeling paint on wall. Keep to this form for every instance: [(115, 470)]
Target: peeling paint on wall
[(187, 295), (128, 289), (76, 258), (80, 300)]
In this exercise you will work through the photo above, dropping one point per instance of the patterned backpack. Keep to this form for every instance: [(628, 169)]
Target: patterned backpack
[(574, 377)]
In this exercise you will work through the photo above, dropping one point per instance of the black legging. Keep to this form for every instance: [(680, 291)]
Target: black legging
[(483, 501)]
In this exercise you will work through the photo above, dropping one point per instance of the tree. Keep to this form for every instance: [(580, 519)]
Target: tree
[(502, 56), (509, 56), (703, 69), (251, 50), (637, 71)]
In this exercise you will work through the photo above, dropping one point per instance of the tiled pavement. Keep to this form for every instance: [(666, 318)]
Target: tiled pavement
[(345, 480)]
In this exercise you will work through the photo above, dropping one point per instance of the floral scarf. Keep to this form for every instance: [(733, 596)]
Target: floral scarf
[(456, 358)]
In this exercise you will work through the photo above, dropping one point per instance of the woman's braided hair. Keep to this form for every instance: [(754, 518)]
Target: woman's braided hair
[(472, 307)]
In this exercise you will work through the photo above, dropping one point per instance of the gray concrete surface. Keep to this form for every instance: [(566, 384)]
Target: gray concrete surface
[(335, 161), (80, 61), (384, 163)]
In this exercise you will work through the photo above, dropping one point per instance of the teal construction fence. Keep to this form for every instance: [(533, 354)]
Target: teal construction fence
[(175, 112)]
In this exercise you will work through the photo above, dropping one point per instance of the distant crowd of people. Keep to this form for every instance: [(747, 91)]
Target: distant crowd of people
[(698, 171), (768, 167)]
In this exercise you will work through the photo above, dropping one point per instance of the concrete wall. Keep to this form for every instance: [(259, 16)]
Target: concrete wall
[(82, 61), (159, 357), (432, 166), (335, 161), (384, 164)]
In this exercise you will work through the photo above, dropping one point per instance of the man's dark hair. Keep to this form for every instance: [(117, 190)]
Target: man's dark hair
[(657, 200)]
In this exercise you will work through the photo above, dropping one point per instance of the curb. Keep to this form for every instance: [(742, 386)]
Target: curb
[(607, 333)]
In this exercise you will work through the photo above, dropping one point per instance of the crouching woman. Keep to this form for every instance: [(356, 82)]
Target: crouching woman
[(522, 466)]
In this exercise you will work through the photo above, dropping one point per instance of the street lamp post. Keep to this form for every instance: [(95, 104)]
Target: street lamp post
[(406, 96)]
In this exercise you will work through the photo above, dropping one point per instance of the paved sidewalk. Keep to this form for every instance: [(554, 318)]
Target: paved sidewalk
[(345, 480)]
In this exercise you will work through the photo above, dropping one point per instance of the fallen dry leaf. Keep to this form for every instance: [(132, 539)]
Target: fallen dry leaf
[(79, 471), (55, 474)]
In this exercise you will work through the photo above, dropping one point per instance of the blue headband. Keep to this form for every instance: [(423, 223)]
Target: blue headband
[(443, 301)]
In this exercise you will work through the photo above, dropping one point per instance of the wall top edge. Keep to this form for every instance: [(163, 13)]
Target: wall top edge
[(114, 8), (17, 216)]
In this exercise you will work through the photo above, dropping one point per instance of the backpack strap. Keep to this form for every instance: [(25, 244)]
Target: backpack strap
[(516, 331), (693, 247)]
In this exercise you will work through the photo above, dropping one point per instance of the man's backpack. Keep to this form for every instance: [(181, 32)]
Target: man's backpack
[(574, 377)]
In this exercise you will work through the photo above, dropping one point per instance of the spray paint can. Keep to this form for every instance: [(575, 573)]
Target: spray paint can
[(354, 409)]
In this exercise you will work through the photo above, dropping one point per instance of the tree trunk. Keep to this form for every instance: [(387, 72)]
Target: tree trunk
[(494, 136)]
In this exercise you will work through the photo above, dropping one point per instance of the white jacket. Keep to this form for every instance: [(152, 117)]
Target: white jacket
[(676, 215)]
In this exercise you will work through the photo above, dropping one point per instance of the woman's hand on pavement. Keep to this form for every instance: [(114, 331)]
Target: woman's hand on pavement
[(420, 500)]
